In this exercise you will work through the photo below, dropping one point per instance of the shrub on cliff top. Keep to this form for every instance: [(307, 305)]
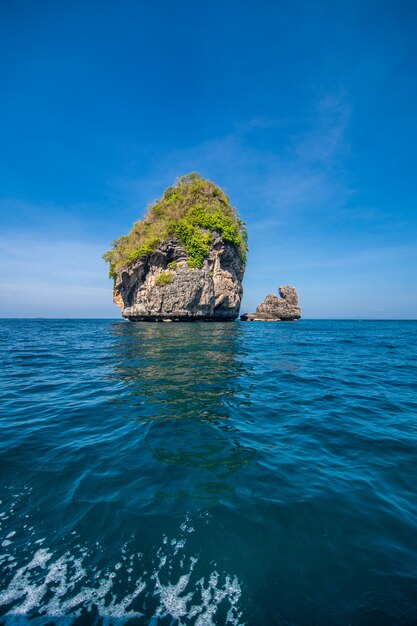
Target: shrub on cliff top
[(191, 210)]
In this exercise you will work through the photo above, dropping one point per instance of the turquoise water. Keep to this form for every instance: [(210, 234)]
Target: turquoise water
[(208, 473)]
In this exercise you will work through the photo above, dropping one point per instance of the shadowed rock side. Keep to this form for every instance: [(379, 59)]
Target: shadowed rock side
[(274, 309), (161, 287)]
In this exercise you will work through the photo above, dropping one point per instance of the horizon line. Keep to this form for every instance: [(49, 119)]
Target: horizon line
[(305, 319)]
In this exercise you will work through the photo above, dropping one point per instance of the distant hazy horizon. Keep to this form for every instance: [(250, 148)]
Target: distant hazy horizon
[(305, 319)]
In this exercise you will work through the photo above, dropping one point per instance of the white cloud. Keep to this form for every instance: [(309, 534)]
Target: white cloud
[(50, 277), (293, 191), (299, 171)]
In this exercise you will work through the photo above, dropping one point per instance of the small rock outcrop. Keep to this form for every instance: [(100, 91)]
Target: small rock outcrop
[(274, 309), (185, 260)]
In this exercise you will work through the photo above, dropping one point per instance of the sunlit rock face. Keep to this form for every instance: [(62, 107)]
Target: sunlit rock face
[(274, 309), (162, 287), (184, 260)]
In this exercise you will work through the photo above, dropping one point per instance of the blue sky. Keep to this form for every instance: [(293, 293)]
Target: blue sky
[(304, 112)]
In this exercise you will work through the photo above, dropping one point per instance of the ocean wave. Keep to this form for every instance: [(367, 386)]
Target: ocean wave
[(46, 585)]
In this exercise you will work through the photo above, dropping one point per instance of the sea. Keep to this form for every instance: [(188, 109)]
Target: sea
[(208, 473)]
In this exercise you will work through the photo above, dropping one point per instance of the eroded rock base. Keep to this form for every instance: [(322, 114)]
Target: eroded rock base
[(180, 319)]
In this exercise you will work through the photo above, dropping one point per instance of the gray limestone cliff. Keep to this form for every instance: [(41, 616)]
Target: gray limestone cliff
[(274, 309), (184, 260), (162, 287)]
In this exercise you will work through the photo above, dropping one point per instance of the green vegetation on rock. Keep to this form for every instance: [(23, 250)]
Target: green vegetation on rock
[(164, 278), (191, 210)]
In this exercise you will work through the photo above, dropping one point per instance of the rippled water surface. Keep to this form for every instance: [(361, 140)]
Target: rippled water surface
[(208, 473)]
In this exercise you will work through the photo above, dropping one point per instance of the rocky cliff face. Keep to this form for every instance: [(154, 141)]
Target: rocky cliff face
[(184, 260), (162, 287), (274, 309)]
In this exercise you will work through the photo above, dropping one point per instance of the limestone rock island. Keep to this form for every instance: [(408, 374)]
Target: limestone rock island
[(185, 260), (274, 309)]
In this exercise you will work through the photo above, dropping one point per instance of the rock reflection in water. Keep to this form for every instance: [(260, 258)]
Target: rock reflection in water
[(183, 386)]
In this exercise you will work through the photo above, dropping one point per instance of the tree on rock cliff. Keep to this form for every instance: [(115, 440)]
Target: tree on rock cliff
[(190, 210)]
